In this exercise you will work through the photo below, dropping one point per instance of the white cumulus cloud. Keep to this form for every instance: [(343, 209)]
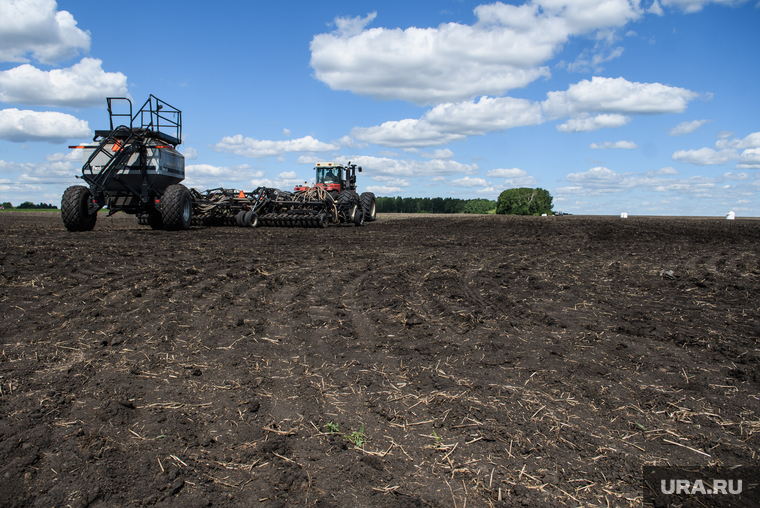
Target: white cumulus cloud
[(706, 156), (55, 172), (190, 153), (625, 145), (392, 182), (470, 182), (601, 181), (255, 148), (285, 181), (727, 149), (591, 123), (23, 125), (80, 86), (749, 159), (591, 105), (692, 6), (616, 95), (506, 48), (687, 127), (402, 168), (36, 27), (507, 173), (664, 171), (206, 176), (444, 153), (450, 122), (383, 190), (74, 155)]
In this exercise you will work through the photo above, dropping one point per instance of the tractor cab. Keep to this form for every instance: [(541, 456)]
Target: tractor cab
[(333, 177), (330, 176)]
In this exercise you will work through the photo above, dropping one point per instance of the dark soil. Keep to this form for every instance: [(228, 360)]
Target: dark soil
[(417, 361)]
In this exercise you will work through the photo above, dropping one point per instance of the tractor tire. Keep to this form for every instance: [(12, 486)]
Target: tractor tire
[(251, 219), (74, 209), (349, 196), (348, 200), (177, 208), (359, 216), (369, 206), (240, 218)]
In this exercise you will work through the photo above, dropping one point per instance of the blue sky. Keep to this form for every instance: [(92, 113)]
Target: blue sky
[(612, 105)]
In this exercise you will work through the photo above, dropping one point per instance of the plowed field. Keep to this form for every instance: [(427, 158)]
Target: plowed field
[(416, 361)]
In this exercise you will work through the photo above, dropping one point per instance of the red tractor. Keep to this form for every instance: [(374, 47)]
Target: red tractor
[(340, 182)]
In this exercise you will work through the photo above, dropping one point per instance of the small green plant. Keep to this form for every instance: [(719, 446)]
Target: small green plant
[(357, 438), (332, 428), (437, 439)]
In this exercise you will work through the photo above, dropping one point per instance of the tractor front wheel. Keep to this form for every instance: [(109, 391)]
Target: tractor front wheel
[(177, 208), (75, 206)]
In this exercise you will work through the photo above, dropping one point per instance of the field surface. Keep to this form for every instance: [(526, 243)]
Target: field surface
[(452, 361)]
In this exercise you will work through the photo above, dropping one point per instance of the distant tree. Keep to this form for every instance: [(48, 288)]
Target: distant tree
[(524, 201), (479, 206), (408, 205), (28, 205), (434, 205), (7, 205), (385, 205)]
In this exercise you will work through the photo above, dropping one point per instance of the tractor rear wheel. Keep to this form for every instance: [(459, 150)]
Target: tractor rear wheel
[(177, 208), (75, 206), (369, 206)]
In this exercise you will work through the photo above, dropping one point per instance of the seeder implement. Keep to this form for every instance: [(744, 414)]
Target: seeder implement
[(136, 168)]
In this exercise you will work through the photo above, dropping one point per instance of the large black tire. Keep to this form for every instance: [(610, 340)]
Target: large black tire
[(346, 202), (74, 209), (177, 208), (240, 218), (359, 216), (368, 205), (251, 219)]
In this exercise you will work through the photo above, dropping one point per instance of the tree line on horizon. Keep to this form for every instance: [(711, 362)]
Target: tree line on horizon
[(28, 205), (434, 205), (522, 201)]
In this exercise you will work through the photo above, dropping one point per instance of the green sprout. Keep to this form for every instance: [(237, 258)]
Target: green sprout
[(332, 428), (357, 438)]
